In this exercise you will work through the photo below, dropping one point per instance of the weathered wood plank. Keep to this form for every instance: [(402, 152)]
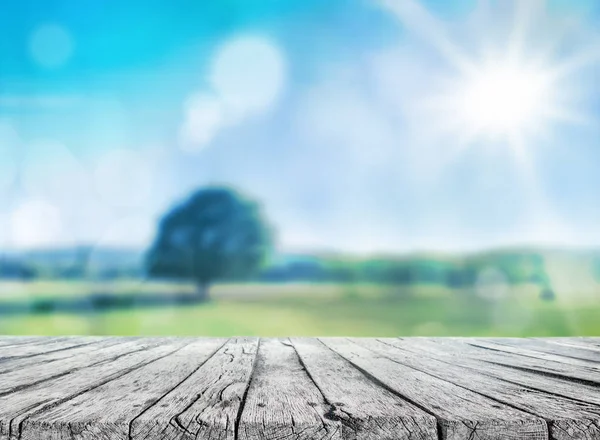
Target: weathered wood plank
[(366, 410), (14, 379), (540, 345), (528, 359), (39, 346), (594, 340), (16, 406), (206, 404), (282, 401), (566, 417), (46, 358), (491, 344), (461, 414), (301, 388), (467, 356), (6, 341), (105, 412), (572, 342), (587, 342)]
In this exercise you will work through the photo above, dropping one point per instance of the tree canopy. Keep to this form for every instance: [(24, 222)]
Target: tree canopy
[(215, 234)]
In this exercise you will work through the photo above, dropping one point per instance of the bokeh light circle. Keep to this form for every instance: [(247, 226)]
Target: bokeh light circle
[(249, 74), (51, 46), (204, 116), (35, 223), (51, 171), (124, 179), (492, 284)]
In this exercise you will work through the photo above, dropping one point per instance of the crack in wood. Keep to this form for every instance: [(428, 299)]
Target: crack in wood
[(175, 419), (115, 376), (229, 402), (242, 405)]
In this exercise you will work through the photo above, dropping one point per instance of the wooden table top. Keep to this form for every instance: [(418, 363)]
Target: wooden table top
[(298, 388)]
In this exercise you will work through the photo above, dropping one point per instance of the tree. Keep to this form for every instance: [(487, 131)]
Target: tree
[(14, 269), (596, 268), (547, 294), (215, 234)]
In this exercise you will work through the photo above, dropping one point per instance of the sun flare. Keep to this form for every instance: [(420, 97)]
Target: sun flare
[(508, 77), (503, 100), (500, 101)]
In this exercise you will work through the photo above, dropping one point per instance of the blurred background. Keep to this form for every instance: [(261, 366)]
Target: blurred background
[(272, 168)]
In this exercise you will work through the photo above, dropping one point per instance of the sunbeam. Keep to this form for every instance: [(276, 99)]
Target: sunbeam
[(578, 60), (414, 16), (510, 93), (525, 12)]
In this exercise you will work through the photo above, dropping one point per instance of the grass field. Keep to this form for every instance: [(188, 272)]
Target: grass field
[(312, 310)]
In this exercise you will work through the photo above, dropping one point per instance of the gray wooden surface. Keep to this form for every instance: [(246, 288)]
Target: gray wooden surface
[(136, 388)]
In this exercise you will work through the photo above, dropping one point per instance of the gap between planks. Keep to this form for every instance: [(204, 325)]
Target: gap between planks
[(228, 402)]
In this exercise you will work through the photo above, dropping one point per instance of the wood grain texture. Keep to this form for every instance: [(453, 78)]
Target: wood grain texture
[(207, 403), (6, 341), (134, 388), (365, 410), (566, 417), (461, 413), (73, 348), (40, 346), (589, 340), (525, 359), (282, 401), (540, 345), (104, 412), (15, 379), (466, 356), (16, 406), (571, 342)]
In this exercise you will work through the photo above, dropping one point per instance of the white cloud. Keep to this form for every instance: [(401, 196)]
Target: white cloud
[(35, 223)]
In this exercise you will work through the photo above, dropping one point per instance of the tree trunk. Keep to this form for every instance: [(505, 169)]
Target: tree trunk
[(202, 291)]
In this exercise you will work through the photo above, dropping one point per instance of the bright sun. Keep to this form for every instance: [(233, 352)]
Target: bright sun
[(507, 82), (503, 100)]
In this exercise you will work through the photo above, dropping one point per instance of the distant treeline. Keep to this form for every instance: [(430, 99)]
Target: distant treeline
[(513, 267), (23, 270), (71, 263), (455, 273)]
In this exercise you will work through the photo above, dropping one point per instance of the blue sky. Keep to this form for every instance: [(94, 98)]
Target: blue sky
[(112, 111)]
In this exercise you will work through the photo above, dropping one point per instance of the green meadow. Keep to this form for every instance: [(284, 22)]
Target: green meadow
[(316, 309), (326, 309)]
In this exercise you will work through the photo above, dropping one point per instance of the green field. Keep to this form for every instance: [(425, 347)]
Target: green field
[(313, 310)]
